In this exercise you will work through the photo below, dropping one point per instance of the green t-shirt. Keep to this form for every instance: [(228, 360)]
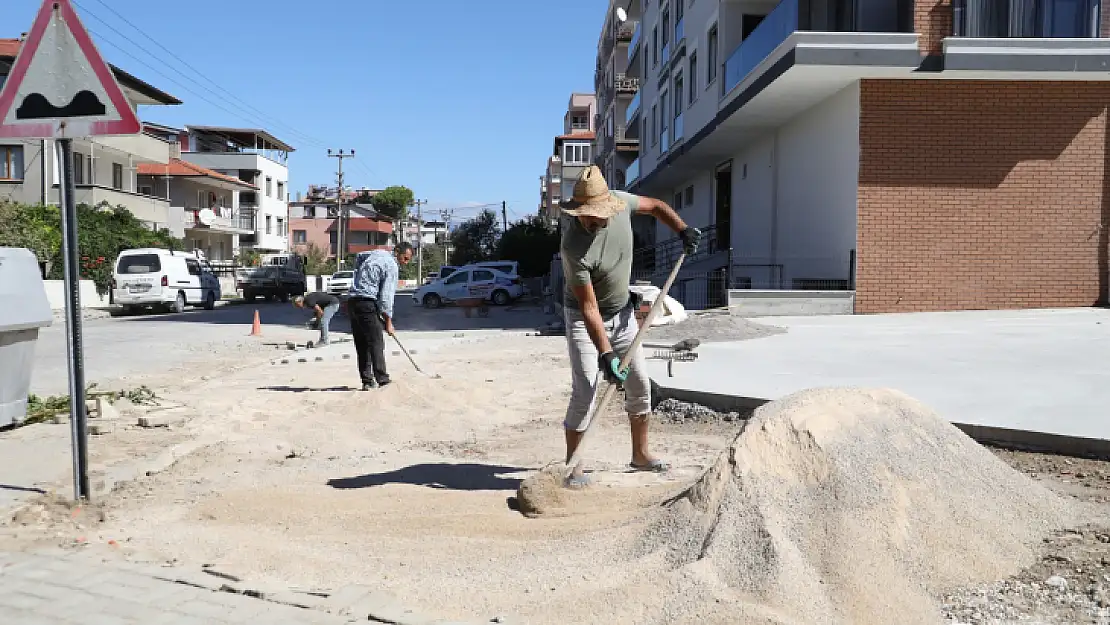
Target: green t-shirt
[(603, 258)]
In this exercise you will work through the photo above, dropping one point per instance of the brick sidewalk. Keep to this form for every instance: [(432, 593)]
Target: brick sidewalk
[(74, 589)]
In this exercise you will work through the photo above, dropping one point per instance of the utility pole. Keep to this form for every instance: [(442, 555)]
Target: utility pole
[(504, 217), (341, 231), (446, 215), (419, 243)]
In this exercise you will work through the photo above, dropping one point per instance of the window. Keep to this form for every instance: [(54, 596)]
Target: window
[(78, 168), (11, 162), (202, 199), (678, 95), (281, 190), (677, 201), (663, 124), (693, 77), (481, 275), (679, 11), (690, 195), (654, 124), (711, 45), (666, 28), (654, 46), (579, 122), (280, 226), (117, 176), (457, 278), (576, 154), (139, 263), (269, 188), (644, 132), (300, 236), (193, 266), (269, 225), (146, 190)]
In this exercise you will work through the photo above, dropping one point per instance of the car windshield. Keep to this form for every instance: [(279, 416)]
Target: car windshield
[(342, 275), (139, 263)]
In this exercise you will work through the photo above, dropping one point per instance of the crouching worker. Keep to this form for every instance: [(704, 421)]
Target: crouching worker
[(323, 307)]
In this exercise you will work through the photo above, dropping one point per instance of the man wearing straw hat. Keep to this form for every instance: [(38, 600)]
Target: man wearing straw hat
[(599, 309)]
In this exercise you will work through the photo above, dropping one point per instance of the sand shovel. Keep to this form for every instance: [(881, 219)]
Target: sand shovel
[(609, 388), (435, 376)]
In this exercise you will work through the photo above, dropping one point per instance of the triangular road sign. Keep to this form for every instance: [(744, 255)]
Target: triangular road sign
[(60, 86)]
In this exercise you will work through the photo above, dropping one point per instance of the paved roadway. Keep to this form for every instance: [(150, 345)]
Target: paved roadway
[(152, 342)]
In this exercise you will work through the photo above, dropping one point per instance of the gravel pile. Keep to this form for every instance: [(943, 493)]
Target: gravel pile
[(846, 506), (1054, 600), (680, 412), (712, 327)]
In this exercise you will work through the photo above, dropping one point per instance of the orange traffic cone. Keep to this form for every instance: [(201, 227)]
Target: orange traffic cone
[(256, 327)]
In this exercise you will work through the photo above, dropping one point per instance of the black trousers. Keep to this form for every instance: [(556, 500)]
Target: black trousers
[(369, 334)]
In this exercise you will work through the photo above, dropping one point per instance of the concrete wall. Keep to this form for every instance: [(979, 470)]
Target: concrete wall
[(56, 294)]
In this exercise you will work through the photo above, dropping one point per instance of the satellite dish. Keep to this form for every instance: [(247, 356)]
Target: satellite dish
[(621, 14), (206, 217)]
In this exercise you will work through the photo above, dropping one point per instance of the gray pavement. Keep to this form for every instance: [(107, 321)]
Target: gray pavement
[(1043, 371), (73, 589)]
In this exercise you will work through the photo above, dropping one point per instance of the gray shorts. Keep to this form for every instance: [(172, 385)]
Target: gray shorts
[(583, 364)]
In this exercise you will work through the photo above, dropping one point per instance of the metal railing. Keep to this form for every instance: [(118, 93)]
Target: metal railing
[(664, 254), (772, 31), (634, 43), (626, 84)]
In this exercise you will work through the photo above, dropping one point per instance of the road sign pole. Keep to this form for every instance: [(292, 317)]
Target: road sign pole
[(70, 254)]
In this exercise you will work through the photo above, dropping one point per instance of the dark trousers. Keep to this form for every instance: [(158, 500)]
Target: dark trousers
[(369, 335)]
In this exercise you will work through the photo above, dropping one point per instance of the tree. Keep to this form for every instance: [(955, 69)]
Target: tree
[(393, 202), (316, 262), (476, 239), (433, 260), (531, 242)]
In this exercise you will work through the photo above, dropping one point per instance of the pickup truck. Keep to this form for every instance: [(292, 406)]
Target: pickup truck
[(278, 276)]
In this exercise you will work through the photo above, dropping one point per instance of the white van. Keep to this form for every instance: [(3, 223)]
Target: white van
[(163, 279)]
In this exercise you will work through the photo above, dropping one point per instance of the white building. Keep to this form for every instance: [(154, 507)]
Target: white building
[(258, 158)]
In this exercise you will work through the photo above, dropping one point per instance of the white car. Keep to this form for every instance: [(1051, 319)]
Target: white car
[(163, 279), (470, 281), (340, 282)]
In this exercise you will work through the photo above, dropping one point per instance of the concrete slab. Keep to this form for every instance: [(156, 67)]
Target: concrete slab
[(1000, 373)]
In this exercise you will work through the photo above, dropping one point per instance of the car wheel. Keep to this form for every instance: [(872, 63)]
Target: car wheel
[(284, 297), (501, 298), (130, 310), (248, 295), (431, 300), (210, 301), (179, 303)]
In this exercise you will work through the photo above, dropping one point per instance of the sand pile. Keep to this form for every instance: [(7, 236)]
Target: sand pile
[(713, 326), (846, 506)]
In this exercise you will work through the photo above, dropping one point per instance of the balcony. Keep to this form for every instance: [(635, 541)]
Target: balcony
[(626, 85), (246, 217), (224, 219), (142, 147), (633, 110), (632, 173), (628, 31), (1027, 39), (627, 137), (154, 211)]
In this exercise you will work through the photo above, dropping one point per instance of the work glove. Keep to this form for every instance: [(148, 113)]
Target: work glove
[(610, 366), (690, 238)]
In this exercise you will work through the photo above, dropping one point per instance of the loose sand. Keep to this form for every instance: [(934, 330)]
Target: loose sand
[(713, 326), (846, 506), (830, 507)]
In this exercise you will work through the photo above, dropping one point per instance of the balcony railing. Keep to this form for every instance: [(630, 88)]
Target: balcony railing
[(634, 43), (1025, 18), (623, 136), (632, 172), (627, 31), (664, 140), (772, 31), (633, 109), (246, 218), (224, 220), (625, 84)]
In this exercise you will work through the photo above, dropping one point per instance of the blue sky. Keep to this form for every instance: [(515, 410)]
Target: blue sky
[(457, 100)]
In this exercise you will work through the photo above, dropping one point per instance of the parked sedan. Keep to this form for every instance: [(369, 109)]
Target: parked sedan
[(490, 284)]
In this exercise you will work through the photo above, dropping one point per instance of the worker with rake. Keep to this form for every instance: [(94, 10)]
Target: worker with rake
[(599, 308), (370, 307)]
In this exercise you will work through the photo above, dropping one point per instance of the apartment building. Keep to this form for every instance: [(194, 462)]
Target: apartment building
[(617, 143), (927, 154), (315, 222), (572, 150), (206, 202), (258, 158), (104, 168)]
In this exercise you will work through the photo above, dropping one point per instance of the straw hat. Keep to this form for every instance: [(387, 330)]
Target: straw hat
[(592, 197)]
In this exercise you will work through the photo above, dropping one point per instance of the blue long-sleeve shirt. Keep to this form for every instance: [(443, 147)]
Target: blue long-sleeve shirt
[(376, 278)]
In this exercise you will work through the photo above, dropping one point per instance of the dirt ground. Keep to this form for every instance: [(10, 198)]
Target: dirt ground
[(300, 481)]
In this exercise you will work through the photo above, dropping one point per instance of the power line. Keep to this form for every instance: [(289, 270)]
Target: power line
[(196, 71), (241, 114)]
